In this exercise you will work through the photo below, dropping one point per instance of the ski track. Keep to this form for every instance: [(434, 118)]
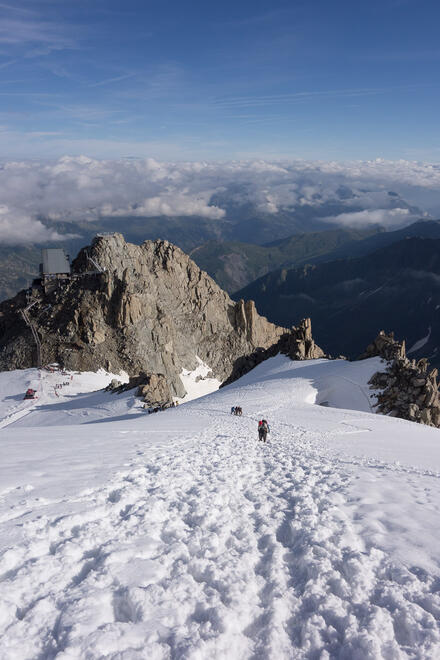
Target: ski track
[(217, 547)]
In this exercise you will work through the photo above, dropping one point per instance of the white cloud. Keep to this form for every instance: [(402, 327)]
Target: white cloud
[(17, 227), (82, 188), (170, 205), (387, 217)]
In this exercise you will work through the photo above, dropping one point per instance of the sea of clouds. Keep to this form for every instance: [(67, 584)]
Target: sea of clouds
[(81, 188)]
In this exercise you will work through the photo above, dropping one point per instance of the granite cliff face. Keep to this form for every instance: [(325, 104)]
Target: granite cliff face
[(151, 310)]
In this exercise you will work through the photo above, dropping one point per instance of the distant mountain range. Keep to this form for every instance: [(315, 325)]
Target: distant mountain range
[(226, 247), (396, 287), (233, 265), (352, 283), (18, 266)]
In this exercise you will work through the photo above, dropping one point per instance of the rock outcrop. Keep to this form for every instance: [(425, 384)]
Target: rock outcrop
[(114, 385), (386, 347), (297, 343), (155, 390), (151, 310), (152, 388), (407, 389)]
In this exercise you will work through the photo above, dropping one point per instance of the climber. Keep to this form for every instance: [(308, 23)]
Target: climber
[(233, 410), (263, 430)]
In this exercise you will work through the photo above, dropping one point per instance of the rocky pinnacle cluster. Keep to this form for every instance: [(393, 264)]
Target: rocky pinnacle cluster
[(407, 388)]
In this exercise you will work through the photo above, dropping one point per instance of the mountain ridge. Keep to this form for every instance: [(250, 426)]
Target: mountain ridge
[(350, 300)]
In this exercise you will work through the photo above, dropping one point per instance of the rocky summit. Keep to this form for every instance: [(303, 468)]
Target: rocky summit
[(139, 309)]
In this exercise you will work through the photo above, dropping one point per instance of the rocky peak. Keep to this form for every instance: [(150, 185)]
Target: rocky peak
[(139, 308)]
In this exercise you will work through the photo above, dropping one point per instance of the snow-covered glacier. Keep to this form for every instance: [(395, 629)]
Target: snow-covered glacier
[(179, 535)]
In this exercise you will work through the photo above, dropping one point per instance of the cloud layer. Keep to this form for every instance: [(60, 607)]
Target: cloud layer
[(80, 188), (17, 227)]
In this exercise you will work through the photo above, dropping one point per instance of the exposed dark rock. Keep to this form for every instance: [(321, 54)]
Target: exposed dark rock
[(114, 385), (119, 387), (298, 343), (406, 388), (155, 390), (386, 347)]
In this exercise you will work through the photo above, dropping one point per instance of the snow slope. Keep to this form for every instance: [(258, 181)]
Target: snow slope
[(199, 382), (178, 535)]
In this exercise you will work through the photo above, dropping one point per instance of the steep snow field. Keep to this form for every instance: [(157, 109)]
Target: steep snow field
[(178, 535)]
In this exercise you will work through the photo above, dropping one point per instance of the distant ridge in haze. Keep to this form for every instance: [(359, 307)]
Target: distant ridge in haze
[(215, 245), (233, 265), (349, 300)]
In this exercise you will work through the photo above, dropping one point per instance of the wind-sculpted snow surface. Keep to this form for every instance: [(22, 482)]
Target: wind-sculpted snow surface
[(193, 540)]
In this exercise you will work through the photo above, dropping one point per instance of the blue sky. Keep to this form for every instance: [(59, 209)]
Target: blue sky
[(179, 80)]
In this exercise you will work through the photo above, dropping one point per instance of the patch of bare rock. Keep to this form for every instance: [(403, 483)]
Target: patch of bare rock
[(406, 388)]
